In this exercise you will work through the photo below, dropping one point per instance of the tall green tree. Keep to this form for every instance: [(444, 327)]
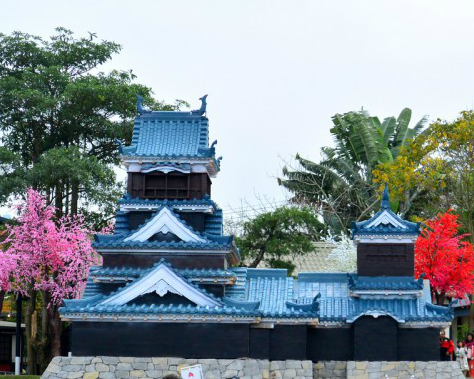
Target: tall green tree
[(60, 118), (341, 185), (277, 236)]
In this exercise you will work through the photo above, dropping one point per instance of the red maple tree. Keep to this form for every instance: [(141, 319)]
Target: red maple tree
[(447, 260)]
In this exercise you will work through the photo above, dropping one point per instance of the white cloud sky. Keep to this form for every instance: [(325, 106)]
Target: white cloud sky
[(276, 71)]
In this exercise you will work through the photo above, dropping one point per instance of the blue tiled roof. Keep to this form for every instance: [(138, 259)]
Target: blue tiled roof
[(214, 222), (170, 135), (135, 272), (401, 227), (270, 294), (213, 240), (395, 283), (206, 200)]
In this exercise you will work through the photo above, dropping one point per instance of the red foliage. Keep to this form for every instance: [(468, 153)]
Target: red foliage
[(445, 259)]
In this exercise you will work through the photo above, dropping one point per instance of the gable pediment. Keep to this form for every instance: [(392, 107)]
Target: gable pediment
[(165, 222), (386, 218), (161, 280)]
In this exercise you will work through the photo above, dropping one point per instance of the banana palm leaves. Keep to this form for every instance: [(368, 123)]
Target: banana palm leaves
[(341, 184)]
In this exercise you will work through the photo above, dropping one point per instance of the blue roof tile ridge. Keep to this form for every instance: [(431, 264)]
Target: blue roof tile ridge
[(128, 199), (267, 272), (361, 228), (162, 261)]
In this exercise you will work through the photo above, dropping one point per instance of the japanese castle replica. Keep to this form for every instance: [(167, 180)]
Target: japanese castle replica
[(171, 285)]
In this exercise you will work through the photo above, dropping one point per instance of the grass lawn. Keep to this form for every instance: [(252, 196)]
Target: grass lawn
[(23, 376)]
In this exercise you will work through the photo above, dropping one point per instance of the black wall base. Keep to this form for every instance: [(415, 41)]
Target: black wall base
[(372, 339)]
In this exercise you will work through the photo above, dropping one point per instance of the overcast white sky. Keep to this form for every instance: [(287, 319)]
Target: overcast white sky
[(276, 71)]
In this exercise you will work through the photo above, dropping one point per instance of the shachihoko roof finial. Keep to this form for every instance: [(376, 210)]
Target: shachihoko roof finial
[(140, 109), (385, 198), (201, 110)]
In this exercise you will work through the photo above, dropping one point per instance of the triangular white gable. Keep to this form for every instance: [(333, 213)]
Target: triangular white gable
[(161, 280), (386, 218), (167, 169), (165, 222)]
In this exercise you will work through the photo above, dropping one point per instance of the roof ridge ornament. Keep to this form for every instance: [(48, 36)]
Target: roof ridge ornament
[(385, 204), (140, 109), (201, 110)]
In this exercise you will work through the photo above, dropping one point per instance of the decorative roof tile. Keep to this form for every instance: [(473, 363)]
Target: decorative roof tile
[(385, 223), (395, 283), (170, 135)]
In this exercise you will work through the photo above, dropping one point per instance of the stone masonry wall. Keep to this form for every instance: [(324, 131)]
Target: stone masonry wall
[(405, 370), (330, 370), (167, 368), (125, 367)]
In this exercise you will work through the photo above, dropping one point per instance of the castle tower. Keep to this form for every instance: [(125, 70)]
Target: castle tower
[(171, 286)]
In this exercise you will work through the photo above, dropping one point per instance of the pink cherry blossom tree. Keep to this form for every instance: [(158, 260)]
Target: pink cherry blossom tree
[(51, 261)]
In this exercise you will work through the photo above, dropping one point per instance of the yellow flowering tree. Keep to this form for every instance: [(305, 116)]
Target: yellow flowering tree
[(435, 172)]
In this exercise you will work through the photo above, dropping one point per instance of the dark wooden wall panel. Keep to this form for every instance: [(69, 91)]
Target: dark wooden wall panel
[(375, 339), (330, 344), (259, 343), (385, 259), (288, 342), (418, 344), (160, 340), (157, 185), (178, 261)]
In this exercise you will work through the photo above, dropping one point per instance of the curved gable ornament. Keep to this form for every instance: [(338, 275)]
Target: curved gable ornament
[(161, 280), (386, 218), (164, 222)]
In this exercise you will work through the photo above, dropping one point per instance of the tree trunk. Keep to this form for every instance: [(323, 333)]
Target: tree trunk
[(258, 258), (30, 340), (2, 296), (44, 348), (74, 197), (55, 331), (58, 202)]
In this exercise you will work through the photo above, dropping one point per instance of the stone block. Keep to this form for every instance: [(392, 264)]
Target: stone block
[(361, 365), (154, 373), (91, 375), (289, 373), (159, 361), (304, 372), (96, 360), (126, 359), (142, 360), (81, 360), (90, 368), (122, 373), (307, 364), (73, 368), (100, 367), (236, 365), (110, 360), (54, 368), (293, 364), (137, 374), (230, 373), (264, 363), (319, 366), (124, 367), (140, 366), (213, 374), (74, 375), (107, 375), (207, 361)]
